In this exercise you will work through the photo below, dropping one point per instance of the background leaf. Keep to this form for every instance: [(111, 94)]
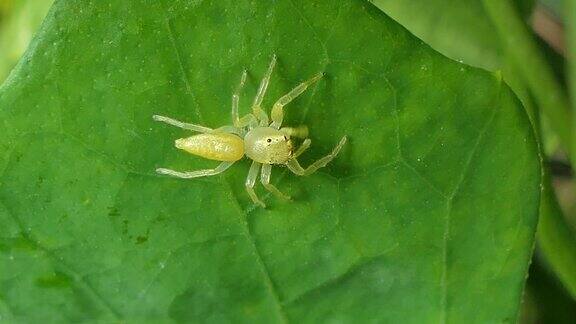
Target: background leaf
[(19, 19), (427, 216), (461, 30), (546, 299)]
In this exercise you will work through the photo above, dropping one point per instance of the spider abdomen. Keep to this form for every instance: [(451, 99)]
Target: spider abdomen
[(219, 147)]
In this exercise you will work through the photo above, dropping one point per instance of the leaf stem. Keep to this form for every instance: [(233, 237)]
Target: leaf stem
[(556, 239), (570, 26), (519, 42)]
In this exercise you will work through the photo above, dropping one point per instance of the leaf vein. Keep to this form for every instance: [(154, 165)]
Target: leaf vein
[(449, 204), (79, 279), (265, 271)]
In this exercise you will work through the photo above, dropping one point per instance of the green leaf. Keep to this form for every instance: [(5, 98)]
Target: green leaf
[(428, 214), (556, 239), (493, 35), (465, 31), (461, 30), (532, 66), (19, 19), (570, 6)]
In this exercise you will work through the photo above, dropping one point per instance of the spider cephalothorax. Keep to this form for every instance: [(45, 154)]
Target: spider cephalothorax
[(268, 145)]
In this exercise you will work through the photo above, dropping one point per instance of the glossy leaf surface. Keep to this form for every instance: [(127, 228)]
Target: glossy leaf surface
[(428, 214)]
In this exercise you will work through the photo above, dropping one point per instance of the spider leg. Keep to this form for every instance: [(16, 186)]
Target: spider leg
[(249, 119), (227, 129), (177, 123), (295, 167), (305, 145), (265, 180), (256, 106), (197, 128), (299, 131), (236, 98), (277, 109), (195, 174), (251, 180)]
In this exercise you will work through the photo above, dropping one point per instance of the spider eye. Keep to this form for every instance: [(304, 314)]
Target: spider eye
[(269, 140)]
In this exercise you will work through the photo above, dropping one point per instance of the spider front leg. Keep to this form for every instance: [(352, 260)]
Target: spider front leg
[(277, 113), (305, 145), (295, 167), (195, 174), (177, 123), (246, 120), (265, 180), (257, 105), (250, 181), (196, 128)]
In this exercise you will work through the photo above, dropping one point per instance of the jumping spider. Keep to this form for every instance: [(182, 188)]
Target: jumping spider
[(253, 135)]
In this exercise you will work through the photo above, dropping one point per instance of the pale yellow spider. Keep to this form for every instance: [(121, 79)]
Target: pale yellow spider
[(252, 135)]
